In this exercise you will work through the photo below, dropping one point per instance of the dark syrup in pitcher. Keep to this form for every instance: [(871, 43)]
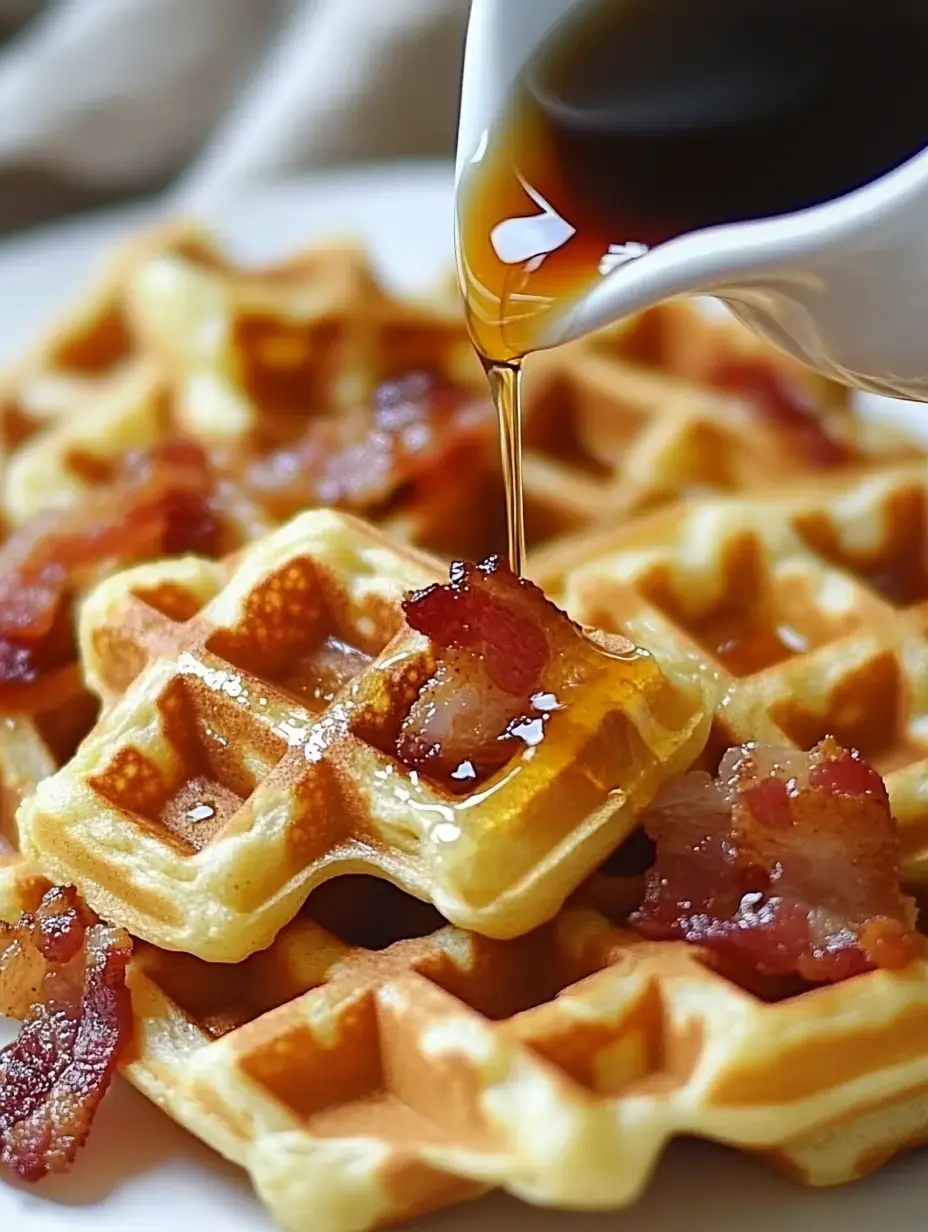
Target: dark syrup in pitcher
[(637, 121)]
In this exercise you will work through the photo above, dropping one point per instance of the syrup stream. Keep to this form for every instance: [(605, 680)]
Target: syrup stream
[(506, 388)]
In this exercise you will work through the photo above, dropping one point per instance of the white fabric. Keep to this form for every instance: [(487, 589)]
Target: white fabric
[(117, 93)]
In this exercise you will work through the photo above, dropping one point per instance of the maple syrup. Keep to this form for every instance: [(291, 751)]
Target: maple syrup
[(638, 121), (506, 388)]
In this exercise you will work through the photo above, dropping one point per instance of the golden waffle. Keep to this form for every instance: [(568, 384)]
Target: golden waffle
[(244, 361), (121, 398), (256, 357), (21, 884), (32, 746), (254, 354), (73, 361), (810, 608), (374, 1064), (248, 753), (638, 417), (618, 424), (179, 339), (45, 708)]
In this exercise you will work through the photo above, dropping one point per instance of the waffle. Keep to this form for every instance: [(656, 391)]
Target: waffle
[(114, 395), (635, 418), (375, 1063), (255, 357), (71, 364), (247, 753), (808, 608), (250, 353), (244, 360), (45, 707), (33, 746), (622, 423), (178, 339), (242, 766)]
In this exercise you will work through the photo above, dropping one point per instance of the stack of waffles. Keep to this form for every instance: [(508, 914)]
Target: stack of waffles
[(256, 365), (176, 342), (376, 995)]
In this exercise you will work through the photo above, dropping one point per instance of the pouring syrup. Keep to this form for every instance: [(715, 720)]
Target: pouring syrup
[(638, 121)]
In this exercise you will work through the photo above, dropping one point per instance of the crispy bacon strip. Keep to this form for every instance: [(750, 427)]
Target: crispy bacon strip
[(415, 426), (64, 974), (158, 506), (493, 689), (787, 861), (786, 406)]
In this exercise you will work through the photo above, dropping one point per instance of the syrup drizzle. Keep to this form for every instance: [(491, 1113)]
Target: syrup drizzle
[(506, 389)]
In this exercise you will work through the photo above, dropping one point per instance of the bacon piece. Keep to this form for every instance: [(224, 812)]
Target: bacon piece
[(415, 427), (494, 688), (158, 506), (785, 405), (788, 861), (64, 974)]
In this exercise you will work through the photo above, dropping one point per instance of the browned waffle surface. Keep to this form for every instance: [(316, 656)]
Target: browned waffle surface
[(71, 364), (677, 403), (375, 1063), (361, 1080), (808, 608), (315, 385), (680, 403), (166, 501), (308, 383), (88, 457), (251, 752)]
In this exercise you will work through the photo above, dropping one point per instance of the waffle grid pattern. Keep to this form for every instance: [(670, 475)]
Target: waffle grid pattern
[(360, 1084), (808, 610), (175, 338), (374, 1062), (239, 775)]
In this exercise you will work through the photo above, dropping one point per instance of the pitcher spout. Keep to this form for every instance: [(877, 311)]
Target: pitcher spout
[(842, 287)]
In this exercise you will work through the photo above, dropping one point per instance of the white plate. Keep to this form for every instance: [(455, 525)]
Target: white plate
[(142, 1174)]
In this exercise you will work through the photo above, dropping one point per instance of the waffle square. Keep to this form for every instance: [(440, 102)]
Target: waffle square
[(250, 363), (259, 359), (34, 745), (680, 402), (558, 1066), (808, 608), (71, 363), (251, 350), (247, 753), (256, 364), (375, 1063)]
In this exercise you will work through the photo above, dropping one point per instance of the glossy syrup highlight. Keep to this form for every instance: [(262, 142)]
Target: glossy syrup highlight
[(565, 720)]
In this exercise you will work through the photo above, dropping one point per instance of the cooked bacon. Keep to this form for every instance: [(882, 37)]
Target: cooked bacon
[(494, 688), (414, 428), (64, 975), (786, 406), (787, 861), (158, 506)]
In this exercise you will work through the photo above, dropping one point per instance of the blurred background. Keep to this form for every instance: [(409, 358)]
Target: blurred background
[(107, 100)]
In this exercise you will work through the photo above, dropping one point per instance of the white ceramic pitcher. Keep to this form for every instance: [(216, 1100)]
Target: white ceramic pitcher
[(842, 286)]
